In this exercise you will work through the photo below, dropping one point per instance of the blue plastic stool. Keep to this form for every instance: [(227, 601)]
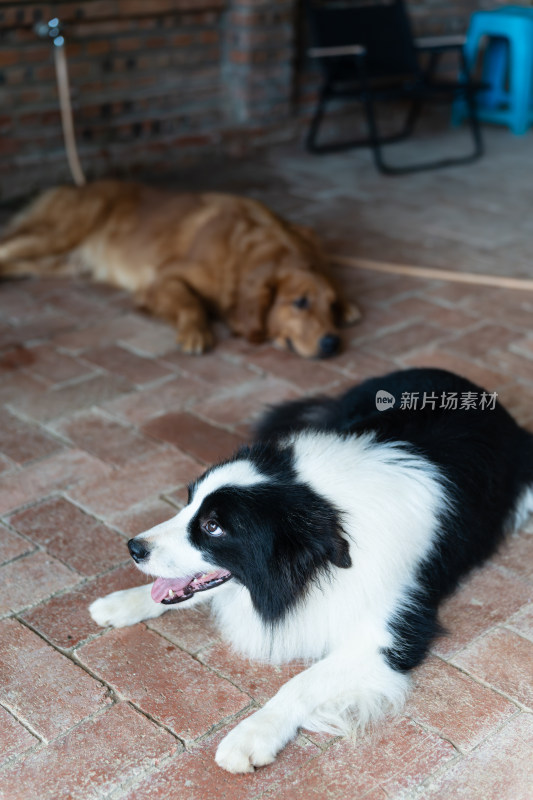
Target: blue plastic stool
[(510, 32)]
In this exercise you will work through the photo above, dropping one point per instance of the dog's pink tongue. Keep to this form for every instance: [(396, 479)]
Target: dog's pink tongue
[(161, 586)]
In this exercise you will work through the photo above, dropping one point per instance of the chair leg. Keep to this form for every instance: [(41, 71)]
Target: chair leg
[(474, 125), (387, 169), (376, 141), (312, 145), (316, 121), (412, 116), (373, 135)]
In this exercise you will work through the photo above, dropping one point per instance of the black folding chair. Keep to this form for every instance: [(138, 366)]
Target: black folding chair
[(367, 52)]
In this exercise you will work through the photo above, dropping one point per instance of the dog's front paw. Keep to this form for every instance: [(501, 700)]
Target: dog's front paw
[(251, 744), (195, 341), (125, 607)]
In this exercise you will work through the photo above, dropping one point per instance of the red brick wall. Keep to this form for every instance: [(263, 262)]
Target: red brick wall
[(143, 73), (151, 80), (159, 81)]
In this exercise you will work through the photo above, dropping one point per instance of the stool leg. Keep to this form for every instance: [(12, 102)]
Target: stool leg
[(521, 85), (494, 68), (459, 108)]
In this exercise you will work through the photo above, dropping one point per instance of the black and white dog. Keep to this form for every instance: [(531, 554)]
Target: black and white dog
[(333, 538)]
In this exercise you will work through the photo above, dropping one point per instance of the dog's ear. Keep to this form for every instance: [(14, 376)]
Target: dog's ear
[(295, 536), (310, 538), (345, 313), (311, 533), (256, 296), (339, 554)]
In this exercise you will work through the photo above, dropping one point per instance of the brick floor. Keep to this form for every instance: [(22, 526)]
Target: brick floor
[(31, 579), (502, 659), (198, 438), (108, 439), (501, 767), (54, 367), (64, 530), (103, 422), (12, 545), (170, 687), (137, 369), (392, 761), (522, 622), (63, 619), (453, 705), (51, 694), (14, 738), (486, 598), (260, 681), (22, 442), (136, 481), (192, 774), (53, 474), (92, 760)]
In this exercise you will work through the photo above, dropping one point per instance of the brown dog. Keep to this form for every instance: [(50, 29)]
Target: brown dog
[(186, 257)]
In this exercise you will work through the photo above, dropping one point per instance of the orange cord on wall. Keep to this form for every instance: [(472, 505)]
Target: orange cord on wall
[(66, 114), (52, 29)]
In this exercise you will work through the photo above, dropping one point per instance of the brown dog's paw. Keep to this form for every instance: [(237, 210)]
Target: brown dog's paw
[(194, 341), (350, 314)]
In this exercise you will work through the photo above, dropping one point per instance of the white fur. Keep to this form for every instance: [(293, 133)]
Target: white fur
[(389, 501), (524, 508)]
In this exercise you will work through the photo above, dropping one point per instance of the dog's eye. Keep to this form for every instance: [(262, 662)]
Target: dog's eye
[(301, 302), (212, 528)]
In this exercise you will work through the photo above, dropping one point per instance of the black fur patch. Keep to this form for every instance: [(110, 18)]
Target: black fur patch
[(486, 461), (277, 538)]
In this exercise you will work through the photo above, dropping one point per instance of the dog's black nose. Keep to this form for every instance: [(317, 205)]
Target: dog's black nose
[(138, 550), (329, 345)]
